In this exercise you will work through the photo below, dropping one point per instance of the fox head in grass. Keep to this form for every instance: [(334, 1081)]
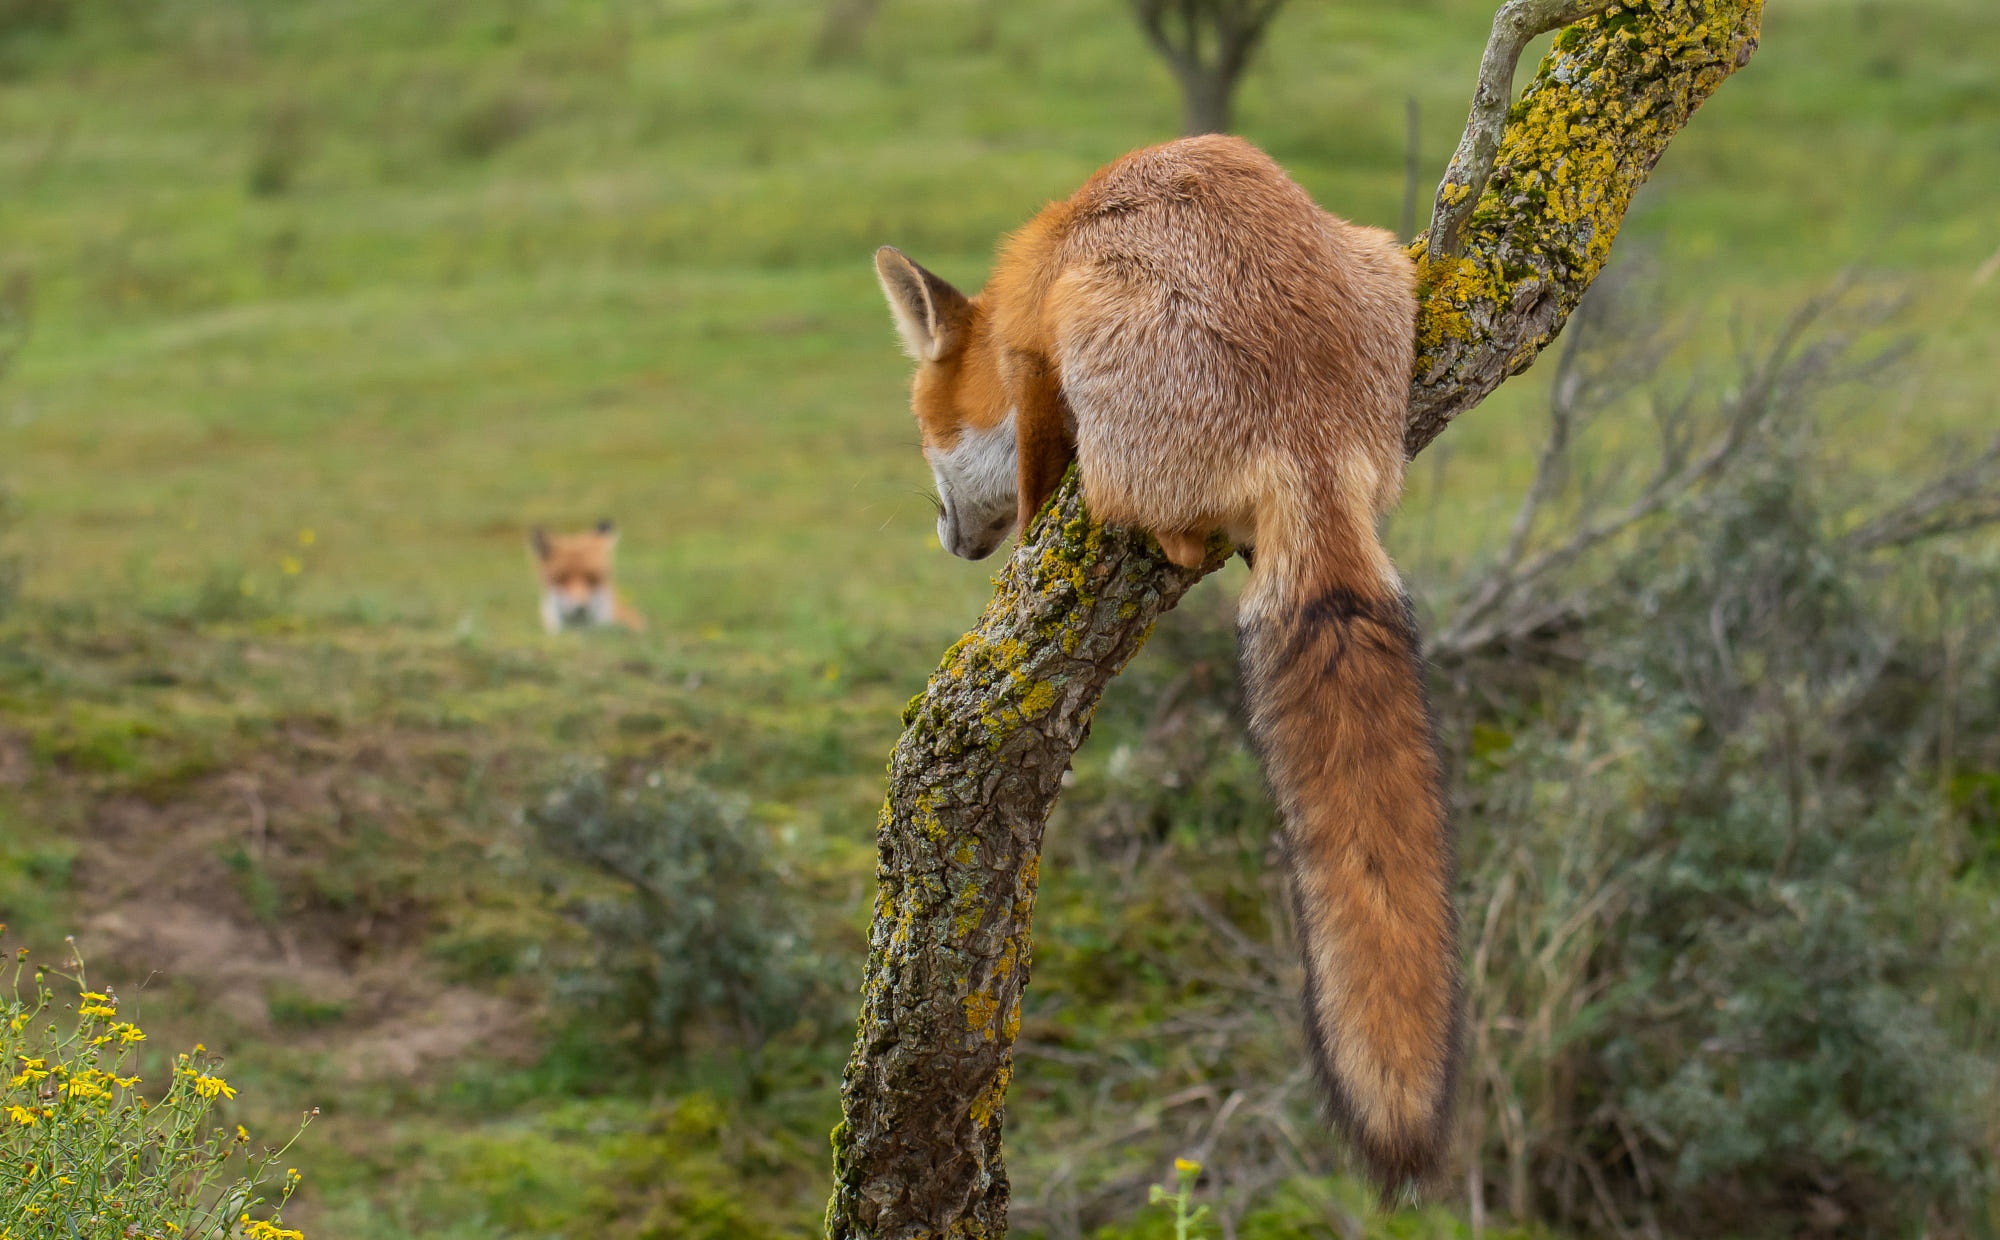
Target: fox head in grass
[(575, 571)]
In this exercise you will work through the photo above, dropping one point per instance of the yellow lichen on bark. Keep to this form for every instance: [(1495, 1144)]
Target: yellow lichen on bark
[(1612, 92)]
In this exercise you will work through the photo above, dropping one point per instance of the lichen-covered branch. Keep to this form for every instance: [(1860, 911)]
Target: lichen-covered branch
[(980, 765), (1584, 137), (971, 782), (1517, 22)]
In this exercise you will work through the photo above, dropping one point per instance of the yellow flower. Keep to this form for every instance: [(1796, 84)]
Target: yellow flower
[(128, 1033), (291, 564), (242, 1133), (212, 1086), (92, 994), (1186, 1166), (83, 1087), (96, 1009), (23, 1116), (306, 538)]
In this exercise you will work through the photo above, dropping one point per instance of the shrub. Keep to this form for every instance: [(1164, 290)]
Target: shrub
[(695, 929), (282, 147), (492, 122), (85, 1154), (1713, 878)]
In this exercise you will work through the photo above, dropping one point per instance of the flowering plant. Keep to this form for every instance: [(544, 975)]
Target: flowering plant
[(85, 1153), (1187, 1215)]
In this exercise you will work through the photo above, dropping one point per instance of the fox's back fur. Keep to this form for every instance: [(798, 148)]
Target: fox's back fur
[(1218, 353), (1219, 337)]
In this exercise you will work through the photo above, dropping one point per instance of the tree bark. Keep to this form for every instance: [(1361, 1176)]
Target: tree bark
[(1206, 95), (1514, 25), (980, 765)]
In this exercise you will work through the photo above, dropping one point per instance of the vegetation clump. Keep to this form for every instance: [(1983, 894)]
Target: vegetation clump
[(694, 929), (86, 1154)]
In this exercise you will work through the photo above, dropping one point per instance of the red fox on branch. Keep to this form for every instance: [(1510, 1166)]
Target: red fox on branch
[(1217, 353)]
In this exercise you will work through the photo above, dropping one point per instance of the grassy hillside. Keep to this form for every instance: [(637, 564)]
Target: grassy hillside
[(411, 276), (332, 299)]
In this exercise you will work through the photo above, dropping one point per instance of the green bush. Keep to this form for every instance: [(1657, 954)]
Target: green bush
[(1716, 893), (694, 929), (492, 122)]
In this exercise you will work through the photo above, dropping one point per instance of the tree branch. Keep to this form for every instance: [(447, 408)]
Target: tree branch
[(1967, 498), (1524, 594), (980, 765), (1517, 22), (1584, 137)]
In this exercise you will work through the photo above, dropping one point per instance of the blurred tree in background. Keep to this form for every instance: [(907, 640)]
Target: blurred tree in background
[(1208, 44)]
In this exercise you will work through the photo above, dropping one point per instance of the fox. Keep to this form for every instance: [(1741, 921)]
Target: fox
[(575, 572), (1214, 352)]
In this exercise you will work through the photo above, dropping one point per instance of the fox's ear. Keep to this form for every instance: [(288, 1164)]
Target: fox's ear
[(607, 531), (930, 314), (538, 542)]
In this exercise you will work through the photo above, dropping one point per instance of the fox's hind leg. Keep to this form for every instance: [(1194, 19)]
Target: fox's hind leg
[(1187, 548)]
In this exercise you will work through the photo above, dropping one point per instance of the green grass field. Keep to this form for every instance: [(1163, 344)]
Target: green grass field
[(333, 299)]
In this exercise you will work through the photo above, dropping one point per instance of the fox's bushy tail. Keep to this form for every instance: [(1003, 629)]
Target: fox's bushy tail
[(1334, 673)]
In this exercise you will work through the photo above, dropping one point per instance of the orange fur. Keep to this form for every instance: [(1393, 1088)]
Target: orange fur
[(1219, 354), (575, 571)]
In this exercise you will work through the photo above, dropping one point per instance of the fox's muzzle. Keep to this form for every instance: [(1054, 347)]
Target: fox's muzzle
[(978, 482)]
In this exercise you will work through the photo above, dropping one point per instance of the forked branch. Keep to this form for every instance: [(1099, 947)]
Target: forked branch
[(1517, 22)]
